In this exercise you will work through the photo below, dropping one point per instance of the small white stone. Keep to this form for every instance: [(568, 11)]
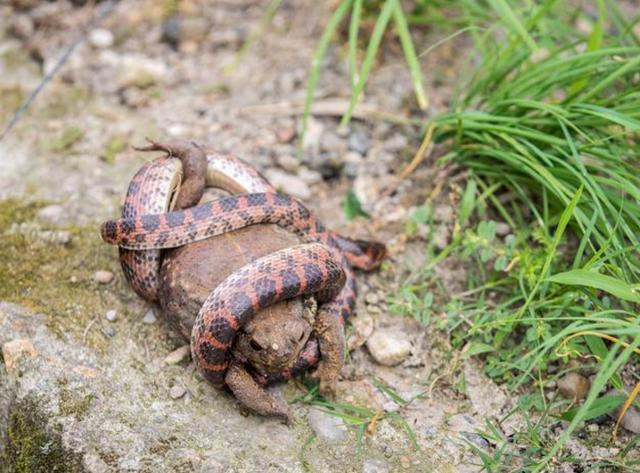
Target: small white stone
[(288, 183), (111, 315), (178, 355), (177, 391), (389, 347), (103, 277), (50, 214), (101, 38), (149, 317), (502, 229)]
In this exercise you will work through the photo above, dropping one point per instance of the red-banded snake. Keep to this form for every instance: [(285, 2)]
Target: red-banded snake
[(321, 266)]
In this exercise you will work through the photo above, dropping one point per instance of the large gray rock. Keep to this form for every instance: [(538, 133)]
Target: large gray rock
[(65, 407)]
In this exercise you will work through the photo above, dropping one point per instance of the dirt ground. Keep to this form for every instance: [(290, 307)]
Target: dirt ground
[(98, 395)]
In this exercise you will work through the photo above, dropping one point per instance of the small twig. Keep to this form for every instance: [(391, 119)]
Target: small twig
[(423, 152), (331, 108), (625, 408), (86, 330)]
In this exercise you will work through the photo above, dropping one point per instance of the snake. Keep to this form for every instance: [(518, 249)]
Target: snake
[(321, 266)]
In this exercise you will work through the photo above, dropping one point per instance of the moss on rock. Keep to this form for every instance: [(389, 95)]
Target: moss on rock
[(31, 448), (57, 279)]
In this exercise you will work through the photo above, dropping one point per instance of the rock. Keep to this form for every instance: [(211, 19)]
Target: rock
[(177, 391), (103, 277), (325, 426), (573, 386), (327, 163), (372, 298), (389, 346), (359, 142), (178, 355), (111, 315), (288, 163), (371, 465), (286, 135), (15, 350), (362, 330), (150, 317), (101, 38), (476, 439), (631, 419), (502, 229), (311, 138), (309, 176), (288, 183), (51, 214), (138, 71), (21, 26), (194, 29), (171, 31), (109, 332)]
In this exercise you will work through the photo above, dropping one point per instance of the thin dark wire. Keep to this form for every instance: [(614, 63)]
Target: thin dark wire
[(103, 11)]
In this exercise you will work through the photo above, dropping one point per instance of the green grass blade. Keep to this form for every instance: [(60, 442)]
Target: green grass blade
[(410, 54), (579, 277), (318, 55), (354, 25), (511, 20), (369, 56)]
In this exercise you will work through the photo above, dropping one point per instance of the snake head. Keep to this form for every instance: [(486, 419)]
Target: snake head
[(273, 339)]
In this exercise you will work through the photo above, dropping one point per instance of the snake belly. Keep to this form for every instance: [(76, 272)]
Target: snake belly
[(216, 325)]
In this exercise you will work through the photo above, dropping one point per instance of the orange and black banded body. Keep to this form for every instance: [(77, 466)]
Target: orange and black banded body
[(291, 272), (323, 267)]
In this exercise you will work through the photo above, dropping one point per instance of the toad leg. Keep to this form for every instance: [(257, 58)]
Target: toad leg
[(254, 396)]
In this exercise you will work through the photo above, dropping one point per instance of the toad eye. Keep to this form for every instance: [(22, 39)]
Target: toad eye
[(301, 337), (255, 345)]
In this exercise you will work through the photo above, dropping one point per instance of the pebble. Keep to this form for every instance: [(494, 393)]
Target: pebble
[(178, 355), (362, 330), (109, 332), (138, 71), (101, 38), (149, 317), (327, 163), (288, 163), (288, 183), (51, 214), (325, 426), (112, 315), (372, 298), (359, 142), (389, 346), (476, 439), (14, 350), (286, 135), (573, 386), (103, 277), (309, 176), (372, 465), (177, 391), (311, 138), (502, 229), (631, 419), (171, 31)]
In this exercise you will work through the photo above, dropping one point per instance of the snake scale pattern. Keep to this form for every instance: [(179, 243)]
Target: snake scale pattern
[(322, 266)]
